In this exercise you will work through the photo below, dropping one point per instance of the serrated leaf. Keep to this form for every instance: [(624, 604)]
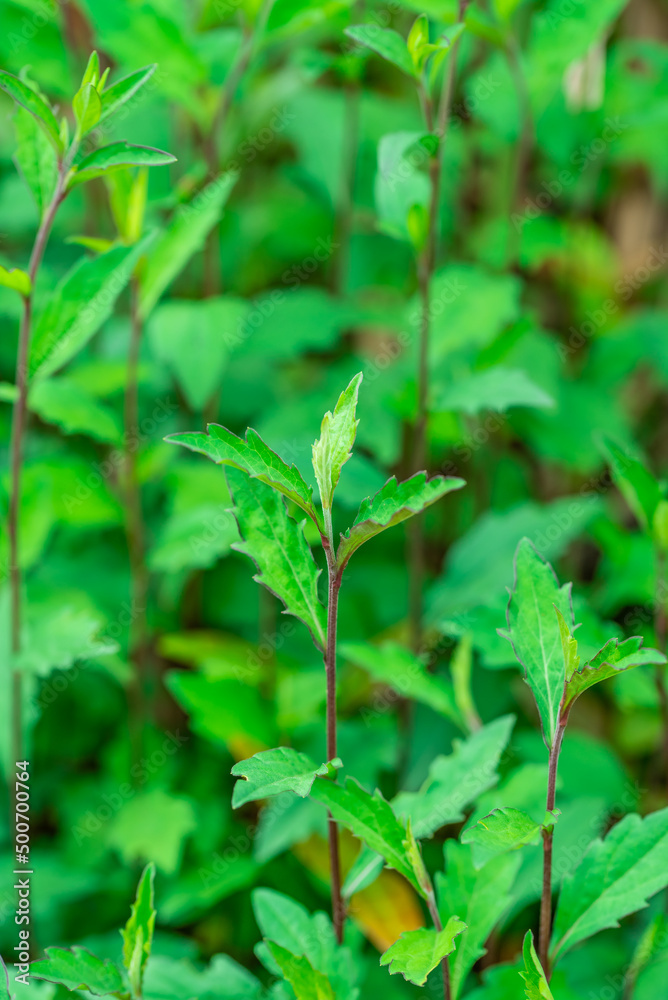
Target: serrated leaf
[(87, 109), (138, 932), (371, 819), (417, 953), (534, 633), (480, 896), (118, 93), (78, 969), (406, 673), (277, 546), (79, 306), (394, 503), (254, 457), (36, 159), (118, 156), (33, 103), (455, 781), (184, 236), (16, 279), (616, 877), (387, 43), (271, 772), (535, 984), (334, 446), (638, 486), (307, 982), (503, 830), (613, 659)]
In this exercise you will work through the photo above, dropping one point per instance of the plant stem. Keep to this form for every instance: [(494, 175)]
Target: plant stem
[(16, 461), (330, 672), (548, 838), (134, 522), (523, 147), (426, 266), (438, 926)]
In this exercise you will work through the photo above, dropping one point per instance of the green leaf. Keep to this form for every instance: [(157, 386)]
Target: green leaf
[(277, 546), (115, 96), (535, 984), (334, 447), (455, 781), (117, 156), (480, 896), (255, 458), (36, 159), (182, 332), (371, 819), (153, 825), (138, 932), (184, 236), (364, 870), (417, 953), (63, 402), (33, 103), (271, 772), (613, 659), (387, 43), (616, 877), (638, 486), (307, 982), (128, 190), (92, 71), (461, 669), (406, 673), (79, 306), (16, 279), (78, 969), (503, 830), (495, 389), (534, 633), (87, 108), (394, 503)]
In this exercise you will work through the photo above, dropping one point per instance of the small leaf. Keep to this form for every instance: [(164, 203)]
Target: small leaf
[(638, 486), (254, 457), (92, 71), (271, 772), (87, 109), (371, 819), (127, 198), (503, 830), (461, 669), (418, 37), (406, 673), (115, 96), (334, 447), (614, 658), (417, 953), (535, 984), (533, 631), (307, 982), (616, 877), (394, 503), (36, 159), (138, 932), (277, 546), (387, 43), (117, 156), (78, 969), (16, 279), (33, 103)]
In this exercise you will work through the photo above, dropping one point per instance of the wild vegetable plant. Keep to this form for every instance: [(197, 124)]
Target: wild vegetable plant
[(259, 480), (55, 157)]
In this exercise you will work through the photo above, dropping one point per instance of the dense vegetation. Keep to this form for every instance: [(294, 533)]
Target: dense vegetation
[(428, 237)]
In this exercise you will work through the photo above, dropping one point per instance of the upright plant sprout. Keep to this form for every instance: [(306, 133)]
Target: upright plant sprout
[(276, 544)]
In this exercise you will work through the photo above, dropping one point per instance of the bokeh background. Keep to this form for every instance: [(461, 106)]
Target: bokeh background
[(549, 333)]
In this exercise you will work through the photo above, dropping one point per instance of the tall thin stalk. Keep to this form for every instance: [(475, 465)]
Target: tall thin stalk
[(436, 121), (522, 148), (19, 413), (548, 839), (134, 521), (438, 926), (334, 586)]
